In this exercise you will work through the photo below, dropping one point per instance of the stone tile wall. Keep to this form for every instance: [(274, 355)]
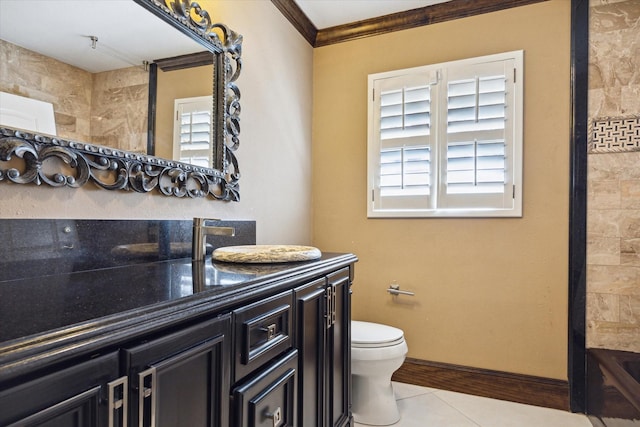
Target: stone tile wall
[(613, 229), (68, 88), (119, 106), (108, 108)]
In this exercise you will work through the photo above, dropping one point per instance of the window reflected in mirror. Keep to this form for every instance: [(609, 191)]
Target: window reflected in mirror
[(192, 130)]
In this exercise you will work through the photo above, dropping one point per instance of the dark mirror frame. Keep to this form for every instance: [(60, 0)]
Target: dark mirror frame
[(57, 162)]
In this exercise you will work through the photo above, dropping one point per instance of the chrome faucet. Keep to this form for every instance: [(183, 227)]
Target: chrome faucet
[(200, 232)]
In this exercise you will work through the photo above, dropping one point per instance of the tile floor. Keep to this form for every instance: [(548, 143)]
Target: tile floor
[(428, 407)]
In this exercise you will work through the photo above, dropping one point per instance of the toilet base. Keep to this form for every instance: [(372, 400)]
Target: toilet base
[(374, 403)]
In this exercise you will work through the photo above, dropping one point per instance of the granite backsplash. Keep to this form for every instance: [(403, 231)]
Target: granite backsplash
[(42, 247)]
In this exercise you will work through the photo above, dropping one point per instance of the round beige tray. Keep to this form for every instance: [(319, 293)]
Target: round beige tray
[(265, 254)]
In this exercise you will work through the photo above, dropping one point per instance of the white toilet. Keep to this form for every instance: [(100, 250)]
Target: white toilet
[(377, 351)]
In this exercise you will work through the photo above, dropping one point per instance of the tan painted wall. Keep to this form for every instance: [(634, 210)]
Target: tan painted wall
[(490, 293), (274, 153)]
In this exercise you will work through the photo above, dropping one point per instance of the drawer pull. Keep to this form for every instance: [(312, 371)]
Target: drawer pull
[(270, 330), (276, 416)]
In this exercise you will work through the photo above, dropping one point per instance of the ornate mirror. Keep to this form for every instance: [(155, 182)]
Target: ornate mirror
[(39, 157)]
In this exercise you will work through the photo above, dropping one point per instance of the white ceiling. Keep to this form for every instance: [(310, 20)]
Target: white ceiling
[(61, 29), (329, 13)]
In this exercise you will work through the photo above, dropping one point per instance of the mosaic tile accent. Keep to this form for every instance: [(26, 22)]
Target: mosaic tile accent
[(612, 135)]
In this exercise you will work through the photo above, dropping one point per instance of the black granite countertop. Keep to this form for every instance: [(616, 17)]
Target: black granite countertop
[(35, 306)]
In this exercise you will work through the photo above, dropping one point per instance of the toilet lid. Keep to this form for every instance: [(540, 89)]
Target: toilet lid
[(367, 334)]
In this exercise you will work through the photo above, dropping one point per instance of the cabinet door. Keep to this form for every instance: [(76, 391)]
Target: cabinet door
[(311, 328), (338, 351), (269, 398), (181, 379), (73, 397)]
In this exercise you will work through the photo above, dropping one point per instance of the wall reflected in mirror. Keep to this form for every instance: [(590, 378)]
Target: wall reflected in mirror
[(106, 108), (186, 83)]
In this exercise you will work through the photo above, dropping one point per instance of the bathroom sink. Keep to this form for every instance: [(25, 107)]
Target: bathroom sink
[(265, 254)]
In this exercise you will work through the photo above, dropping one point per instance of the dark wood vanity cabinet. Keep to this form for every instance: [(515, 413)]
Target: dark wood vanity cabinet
[(324, 344), (280, 358)]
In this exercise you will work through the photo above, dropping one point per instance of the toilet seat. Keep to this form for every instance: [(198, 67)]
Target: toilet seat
[(374, 335)]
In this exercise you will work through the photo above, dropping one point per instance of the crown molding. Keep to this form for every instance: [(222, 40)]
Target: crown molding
[(442, 12)]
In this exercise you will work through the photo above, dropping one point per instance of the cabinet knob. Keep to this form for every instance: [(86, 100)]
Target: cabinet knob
[(276, 416), (270, 330)]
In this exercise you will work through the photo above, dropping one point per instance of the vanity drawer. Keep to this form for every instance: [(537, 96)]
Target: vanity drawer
[(262, 331), (270, 398)]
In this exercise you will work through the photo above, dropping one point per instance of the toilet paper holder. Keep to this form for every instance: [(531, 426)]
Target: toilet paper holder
[(394, 289)]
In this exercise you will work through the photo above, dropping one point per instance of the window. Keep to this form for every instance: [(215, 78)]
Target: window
[(192, 131), (446, 139)]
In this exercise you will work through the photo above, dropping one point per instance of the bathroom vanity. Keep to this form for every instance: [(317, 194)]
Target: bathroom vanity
[(175, 342)]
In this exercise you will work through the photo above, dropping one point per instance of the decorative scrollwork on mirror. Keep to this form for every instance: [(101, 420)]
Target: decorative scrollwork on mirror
[(62, 163), (41, 159)]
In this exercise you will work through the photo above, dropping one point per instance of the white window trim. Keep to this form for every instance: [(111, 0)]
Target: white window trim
[(515, 132)]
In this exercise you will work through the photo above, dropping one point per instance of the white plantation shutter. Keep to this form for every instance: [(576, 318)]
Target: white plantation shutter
[(479, 137), (402, 131), (446, 139), (192, 131)]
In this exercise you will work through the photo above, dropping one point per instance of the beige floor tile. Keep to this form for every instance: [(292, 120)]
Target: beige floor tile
[(428, 407), (498, 413), (427, 410), (404, 391)]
